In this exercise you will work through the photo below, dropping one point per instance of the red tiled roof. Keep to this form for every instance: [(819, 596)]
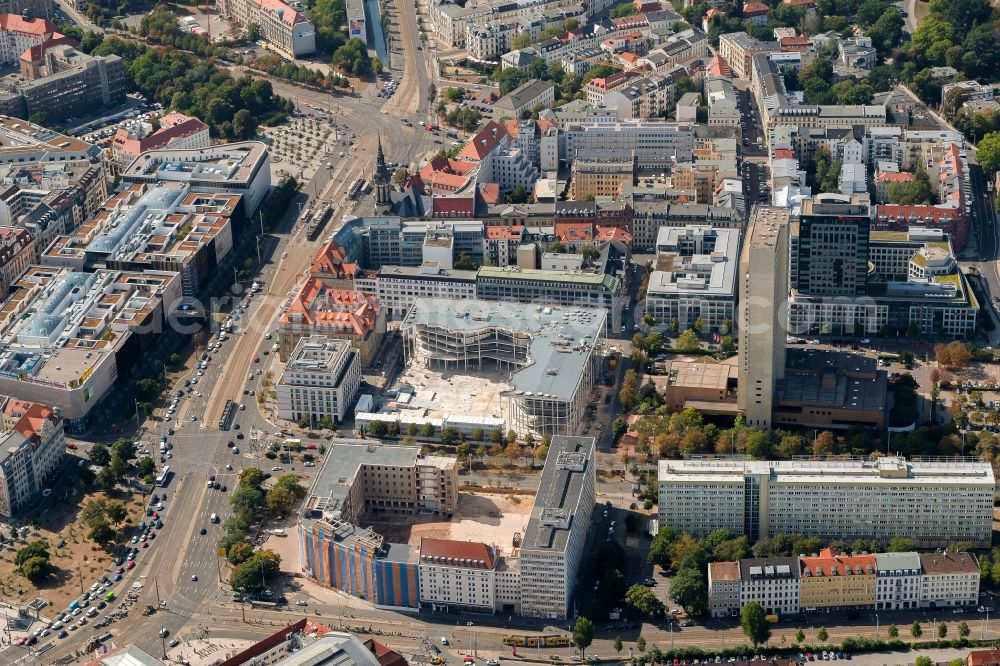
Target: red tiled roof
[(720, 67), (984, 657), (893, 177), (784, 154), (498, 232), (12, 241), (485, 141), (574, 231), (35, 26), (490, 192), (33, 421), (935, 213), (453, 206), (828, 564), (331, 259), (605, 234), (37, 52), (755, 8), (469, 554), (319, 305)]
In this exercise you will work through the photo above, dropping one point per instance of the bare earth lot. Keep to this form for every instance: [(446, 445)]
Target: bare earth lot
[(77, 564)]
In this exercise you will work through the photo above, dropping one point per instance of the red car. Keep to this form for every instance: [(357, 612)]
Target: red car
[(256, 359), (156, 515), (120, 570), (71, 446), (130, 565), (145, 544), (311, 446)]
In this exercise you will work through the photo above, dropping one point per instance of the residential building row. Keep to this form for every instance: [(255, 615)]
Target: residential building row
[(827, 581), (534, 575), (284, 25)]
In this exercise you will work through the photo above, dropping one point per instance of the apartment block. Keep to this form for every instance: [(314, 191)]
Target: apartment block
[(520, 101), (949, 579), (59, 81), (828, 581), (738, 49), (550, 380), (695, 278), (466, 576), (554, 539), (17, 250), (33, 449), (597, 173), (656, 144), (177, 131), (934, 503), (345, 314), (283, 25), (763, 290), (320, 380), (837, 582), (898, 584)]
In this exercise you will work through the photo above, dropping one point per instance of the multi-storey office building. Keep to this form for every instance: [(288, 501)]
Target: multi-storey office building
[(459, 576), (398, 287), (656, 144), (554, 540), (949, 579), (695, 278), (394, 241), (763, 289), (829, 254), (553, 354), (935, 502), (320, 379), (363, 478), (538, 287), (58, 80)]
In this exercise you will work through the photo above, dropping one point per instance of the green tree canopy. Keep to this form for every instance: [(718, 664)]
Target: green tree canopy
[(583, 633), (753, 619)]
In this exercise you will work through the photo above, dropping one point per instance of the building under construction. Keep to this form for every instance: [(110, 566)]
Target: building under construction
[(550, 355)]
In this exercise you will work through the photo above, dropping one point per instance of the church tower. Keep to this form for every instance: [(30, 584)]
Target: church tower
[(381, 179)]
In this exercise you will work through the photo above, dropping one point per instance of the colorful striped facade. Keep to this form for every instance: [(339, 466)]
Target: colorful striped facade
[(347, 558)]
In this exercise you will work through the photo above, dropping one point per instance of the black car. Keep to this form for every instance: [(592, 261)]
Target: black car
[(239, 436), (203, 531), (170, 431), (230, 444), (223, 488)]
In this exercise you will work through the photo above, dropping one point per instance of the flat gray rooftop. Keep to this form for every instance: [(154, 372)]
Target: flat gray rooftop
[(562, 338), (560, 494)]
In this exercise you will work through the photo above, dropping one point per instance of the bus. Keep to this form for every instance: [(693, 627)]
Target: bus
[(355, 190), (164, 477)]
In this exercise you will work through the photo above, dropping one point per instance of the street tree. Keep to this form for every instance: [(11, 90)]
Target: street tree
[(893, 632), (916, 630), (583, 633), (753, 619), (821, 635), (644, 601)]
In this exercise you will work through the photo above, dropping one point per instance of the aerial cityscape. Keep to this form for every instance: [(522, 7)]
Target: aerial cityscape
[(462, 332)]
